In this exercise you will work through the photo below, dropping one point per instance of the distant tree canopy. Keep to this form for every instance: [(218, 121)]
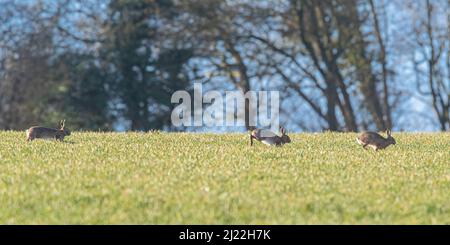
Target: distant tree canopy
[(130, 75), (344, 65), (141, 73)]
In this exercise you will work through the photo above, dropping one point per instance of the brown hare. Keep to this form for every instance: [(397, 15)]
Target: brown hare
[(269, 138), (375, 141), (48, 133)]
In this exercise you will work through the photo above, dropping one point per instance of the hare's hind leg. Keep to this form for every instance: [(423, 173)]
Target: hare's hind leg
[(30, 137), (364, 145), (360, 142)]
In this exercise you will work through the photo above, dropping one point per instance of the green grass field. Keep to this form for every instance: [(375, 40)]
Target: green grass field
[(183, 178)]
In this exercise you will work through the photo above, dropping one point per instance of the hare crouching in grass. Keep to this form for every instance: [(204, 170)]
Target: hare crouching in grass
[(375, 141), (269, 138), (48, 133)]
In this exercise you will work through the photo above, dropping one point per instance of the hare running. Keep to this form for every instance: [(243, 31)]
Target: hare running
[(269, 138), (48, 133), (375, 141)]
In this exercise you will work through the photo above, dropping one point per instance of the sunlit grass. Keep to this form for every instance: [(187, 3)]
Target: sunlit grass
[(183, 178)]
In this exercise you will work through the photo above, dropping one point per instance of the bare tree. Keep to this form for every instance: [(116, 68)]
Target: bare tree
[(382, 59), (432, 61), (218, 31), (323, 41)]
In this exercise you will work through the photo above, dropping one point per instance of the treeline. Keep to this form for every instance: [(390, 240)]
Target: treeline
[(342, 65)]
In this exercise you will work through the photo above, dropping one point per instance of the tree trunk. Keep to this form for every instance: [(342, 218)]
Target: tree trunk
[(331, 95), (383, 61), (244, 81)]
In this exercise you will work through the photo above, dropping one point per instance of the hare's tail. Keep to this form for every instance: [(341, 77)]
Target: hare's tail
[(28, 132)]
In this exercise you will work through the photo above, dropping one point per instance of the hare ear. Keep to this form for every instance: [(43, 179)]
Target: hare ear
[(63, 122), (282, 130), (388, 132)]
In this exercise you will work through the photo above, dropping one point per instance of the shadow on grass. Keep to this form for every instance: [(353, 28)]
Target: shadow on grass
[(68, 142), (53, 141)]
